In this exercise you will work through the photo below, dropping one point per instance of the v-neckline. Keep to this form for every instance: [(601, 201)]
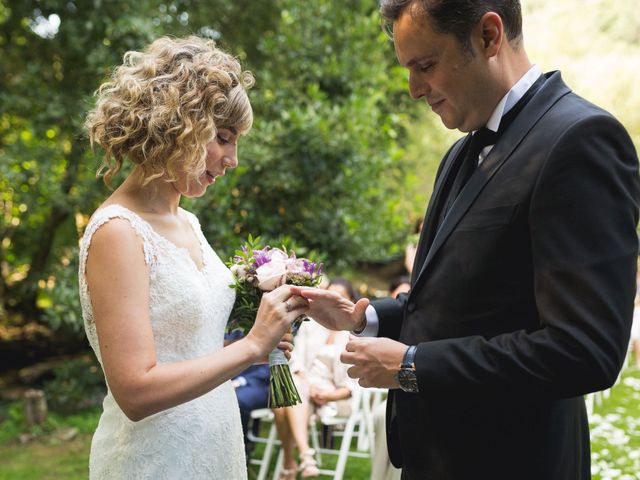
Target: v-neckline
[(184, 250)]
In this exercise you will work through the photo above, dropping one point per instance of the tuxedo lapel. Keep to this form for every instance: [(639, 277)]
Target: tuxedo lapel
[(553, 89), (439, 196)]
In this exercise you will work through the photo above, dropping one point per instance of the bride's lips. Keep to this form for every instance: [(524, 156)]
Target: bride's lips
[(211, 176)]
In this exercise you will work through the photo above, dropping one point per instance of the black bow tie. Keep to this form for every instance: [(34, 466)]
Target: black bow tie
[(481, 139)]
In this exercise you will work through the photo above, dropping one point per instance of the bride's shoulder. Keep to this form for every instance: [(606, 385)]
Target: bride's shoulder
[(115, 219), (115, 234), (113, 227)]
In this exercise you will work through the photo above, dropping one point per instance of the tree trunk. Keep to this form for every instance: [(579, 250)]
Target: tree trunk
[(3, 296), (35, 407)]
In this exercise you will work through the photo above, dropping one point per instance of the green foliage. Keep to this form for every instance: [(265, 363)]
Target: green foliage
[(76, 385), (321, 168), (322, 163), (338, 163), (13, 422), (62, 300)]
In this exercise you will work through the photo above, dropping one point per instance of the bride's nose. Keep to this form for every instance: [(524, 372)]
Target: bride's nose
[(230, 161)]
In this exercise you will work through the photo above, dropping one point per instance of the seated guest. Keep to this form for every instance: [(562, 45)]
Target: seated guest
[(252, 391)]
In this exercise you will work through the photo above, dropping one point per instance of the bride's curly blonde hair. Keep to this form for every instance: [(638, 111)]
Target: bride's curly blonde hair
[(162, 106)]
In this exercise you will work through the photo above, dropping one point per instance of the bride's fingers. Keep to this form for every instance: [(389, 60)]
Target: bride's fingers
[(281, 294), (297, 303), (286, 347)]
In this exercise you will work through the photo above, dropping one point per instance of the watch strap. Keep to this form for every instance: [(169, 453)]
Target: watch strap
[(408, 361)]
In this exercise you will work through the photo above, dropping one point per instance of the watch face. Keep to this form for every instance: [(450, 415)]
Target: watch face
[(407, 379)]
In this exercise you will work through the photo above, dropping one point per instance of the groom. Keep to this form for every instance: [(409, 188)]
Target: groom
[(524, 280)]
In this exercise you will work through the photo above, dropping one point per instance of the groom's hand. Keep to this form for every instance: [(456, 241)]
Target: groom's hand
[(376, 361), (332, 310)]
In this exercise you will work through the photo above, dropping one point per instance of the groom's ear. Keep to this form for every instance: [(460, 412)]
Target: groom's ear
[(490, 32)]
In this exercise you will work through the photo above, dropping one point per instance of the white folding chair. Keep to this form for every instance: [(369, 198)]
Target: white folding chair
[(355, 425), (358, 425), (366, 436), (270, 441)]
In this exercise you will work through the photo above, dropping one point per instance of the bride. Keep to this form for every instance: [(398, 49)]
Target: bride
[(155, 296)]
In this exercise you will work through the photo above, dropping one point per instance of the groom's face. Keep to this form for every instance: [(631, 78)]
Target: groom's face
[(454, 81)]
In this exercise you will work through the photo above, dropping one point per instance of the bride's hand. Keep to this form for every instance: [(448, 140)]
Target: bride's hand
[(278, 309), (286, 345)]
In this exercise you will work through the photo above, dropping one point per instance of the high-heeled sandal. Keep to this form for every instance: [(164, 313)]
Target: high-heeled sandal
[(287, 474), (308, 466)]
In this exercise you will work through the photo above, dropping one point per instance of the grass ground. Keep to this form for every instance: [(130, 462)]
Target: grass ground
[(615, 431)]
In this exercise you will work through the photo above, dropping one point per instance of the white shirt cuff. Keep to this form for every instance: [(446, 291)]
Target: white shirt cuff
[(371, 329)]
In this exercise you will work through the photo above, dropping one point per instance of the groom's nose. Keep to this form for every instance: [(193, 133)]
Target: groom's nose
[(417, 87)]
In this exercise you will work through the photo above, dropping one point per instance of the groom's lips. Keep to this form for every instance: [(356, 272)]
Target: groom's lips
[(435, 105)]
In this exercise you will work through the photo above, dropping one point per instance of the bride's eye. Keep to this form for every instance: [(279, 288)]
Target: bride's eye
[(222, 140)]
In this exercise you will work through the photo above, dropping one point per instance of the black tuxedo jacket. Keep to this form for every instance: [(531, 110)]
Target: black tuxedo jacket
[(521, 300)]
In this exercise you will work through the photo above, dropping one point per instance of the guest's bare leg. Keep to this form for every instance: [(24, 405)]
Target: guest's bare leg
[(286, 438), (298, 420)]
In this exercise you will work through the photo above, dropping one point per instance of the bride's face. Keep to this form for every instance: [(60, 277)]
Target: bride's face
[(222, 153)]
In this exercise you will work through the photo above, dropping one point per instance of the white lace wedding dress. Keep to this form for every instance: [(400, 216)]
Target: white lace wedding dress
[(188, 307)]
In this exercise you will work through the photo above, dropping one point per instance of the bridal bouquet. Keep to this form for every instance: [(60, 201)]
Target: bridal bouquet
[(257, 270)]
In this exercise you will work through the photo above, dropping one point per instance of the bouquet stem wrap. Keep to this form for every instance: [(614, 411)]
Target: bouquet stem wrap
[(282, 389)]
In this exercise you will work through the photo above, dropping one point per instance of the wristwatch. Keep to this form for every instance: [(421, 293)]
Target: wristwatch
[(407, 374)]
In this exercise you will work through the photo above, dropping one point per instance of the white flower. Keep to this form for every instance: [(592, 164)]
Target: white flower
[(272, 274), (240, 271), (278, 255), (295, 266)]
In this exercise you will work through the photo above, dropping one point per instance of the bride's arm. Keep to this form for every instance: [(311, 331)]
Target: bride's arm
[(118, 281)]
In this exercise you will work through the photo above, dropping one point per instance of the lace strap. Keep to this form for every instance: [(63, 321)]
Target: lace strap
[(195, 225), (102, 216)]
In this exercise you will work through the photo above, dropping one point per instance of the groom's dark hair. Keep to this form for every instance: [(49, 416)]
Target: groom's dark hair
[(458, 17)]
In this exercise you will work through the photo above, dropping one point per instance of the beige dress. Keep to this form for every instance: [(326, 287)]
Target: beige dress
[(321, 365)]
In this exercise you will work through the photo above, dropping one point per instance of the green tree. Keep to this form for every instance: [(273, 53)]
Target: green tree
[(322, 164), (321, 167), (54, 55)]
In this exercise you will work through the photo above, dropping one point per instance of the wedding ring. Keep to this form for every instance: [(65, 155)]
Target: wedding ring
[(288, 305)]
